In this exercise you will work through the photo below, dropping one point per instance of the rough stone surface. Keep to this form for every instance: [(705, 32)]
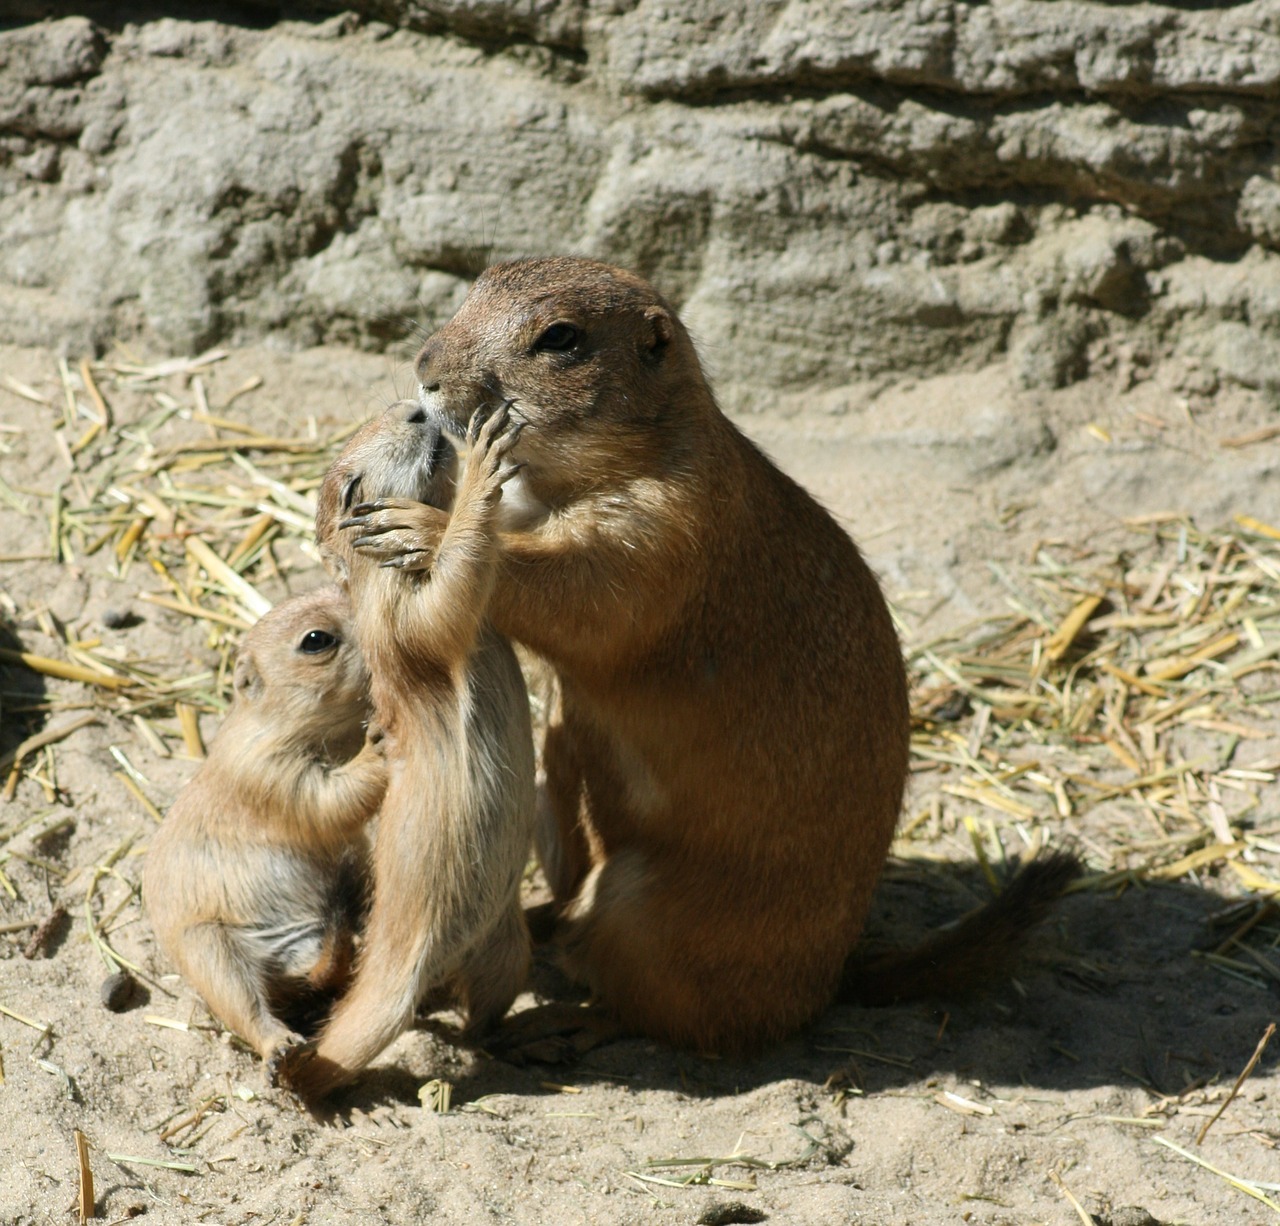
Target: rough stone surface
[(832, 192)]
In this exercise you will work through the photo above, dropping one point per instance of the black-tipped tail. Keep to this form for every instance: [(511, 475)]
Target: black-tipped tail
[(980, 948)]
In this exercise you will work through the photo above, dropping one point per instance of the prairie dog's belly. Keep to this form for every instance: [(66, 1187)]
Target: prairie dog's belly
[(295, 902), (289, 949)]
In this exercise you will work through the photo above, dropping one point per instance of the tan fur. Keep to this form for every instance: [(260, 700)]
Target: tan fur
[(455, 827), (727, 764), (253, 881)]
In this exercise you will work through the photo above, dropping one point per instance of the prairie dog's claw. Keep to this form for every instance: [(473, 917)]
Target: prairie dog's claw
[(286, 1055), (486, 422), (417, 560)]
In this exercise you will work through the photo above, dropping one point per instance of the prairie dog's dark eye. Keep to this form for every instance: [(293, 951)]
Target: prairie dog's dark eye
[(557, 339), (349, 490), (316, 641)]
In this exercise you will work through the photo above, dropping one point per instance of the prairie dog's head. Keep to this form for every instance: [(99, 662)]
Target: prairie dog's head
[(592, 358), (401, 454), (300, 667)]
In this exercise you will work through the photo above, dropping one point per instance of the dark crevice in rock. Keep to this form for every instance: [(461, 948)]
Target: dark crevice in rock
[(349, 200), (247, 14), (568, 63), (1185, 6), (1180, 163), (491, 28), (489, 34), (717, 88)]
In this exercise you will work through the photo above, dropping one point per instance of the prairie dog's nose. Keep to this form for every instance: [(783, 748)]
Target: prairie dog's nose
[(429, 440), (409, 411), (423, 367)]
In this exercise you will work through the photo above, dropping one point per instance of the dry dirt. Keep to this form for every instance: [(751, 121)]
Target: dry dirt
[(1042, 1100)]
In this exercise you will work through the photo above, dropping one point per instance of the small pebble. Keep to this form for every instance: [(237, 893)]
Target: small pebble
[(117, 991), (1128, 1215), (114, 619)]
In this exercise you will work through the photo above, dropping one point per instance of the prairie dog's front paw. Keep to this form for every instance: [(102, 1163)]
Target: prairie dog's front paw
[(397, 532), (492, 439)]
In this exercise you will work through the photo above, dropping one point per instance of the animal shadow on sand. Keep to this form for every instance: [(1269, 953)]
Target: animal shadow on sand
[(1107, 991), (23, 714), (22, 696)]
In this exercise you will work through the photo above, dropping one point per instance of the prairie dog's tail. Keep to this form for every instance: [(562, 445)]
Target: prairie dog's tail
[(978, 949)]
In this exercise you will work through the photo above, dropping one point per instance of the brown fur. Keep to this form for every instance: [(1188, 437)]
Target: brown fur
[(726, 766), (456, 824), (254, 880)]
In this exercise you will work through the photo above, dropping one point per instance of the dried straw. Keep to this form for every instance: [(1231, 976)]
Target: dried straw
[(85, 1203), (1131, 681), (194, 519)]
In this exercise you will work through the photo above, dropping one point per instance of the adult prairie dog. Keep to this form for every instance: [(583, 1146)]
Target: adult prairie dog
[(455, 827), (726, 766), (254, 881)]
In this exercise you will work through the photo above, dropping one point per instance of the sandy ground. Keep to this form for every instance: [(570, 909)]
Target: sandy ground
[(1043, 1100)]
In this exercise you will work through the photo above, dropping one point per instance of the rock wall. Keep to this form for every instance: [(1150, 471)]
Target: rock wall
[(833, 191)]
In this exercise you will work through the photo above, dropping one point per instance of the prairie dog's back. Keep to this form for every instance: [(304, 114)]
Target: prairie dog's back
[(500, 788)]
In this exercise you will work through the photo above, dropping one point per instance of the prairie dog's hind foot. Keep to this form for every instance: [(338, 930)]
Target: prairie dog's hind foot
[(277, 1057), (556, 1033), (306, 1074)]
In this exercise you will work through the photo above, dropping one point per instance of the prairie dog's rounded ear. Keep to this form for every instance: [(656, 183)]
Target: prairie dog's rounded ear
[(247, 680), (335, 564), (660, 331)]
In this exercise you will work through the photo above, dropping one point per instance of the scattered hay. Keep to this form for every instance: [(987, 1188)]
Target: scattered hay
[(1145, 682), (150, 478), (1250, 1187), (1130, 680), (681, 1172), (1235, 1089)]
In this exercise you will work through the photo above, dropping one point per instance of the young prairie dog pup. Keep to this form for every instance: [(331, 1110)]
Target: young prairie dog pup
[(254, 882), (727, 763), (456, 824)]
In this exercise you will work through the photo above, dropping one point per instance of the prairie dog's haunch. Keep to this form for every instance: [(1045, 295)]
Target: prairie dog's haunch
[(254, 882), (726, 766), (455, 827)]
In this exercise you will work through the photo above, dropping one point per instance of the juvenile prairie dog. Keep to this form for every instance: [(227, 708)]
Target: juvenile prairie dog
[(254, 882), (456, 824), (726, 766)]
